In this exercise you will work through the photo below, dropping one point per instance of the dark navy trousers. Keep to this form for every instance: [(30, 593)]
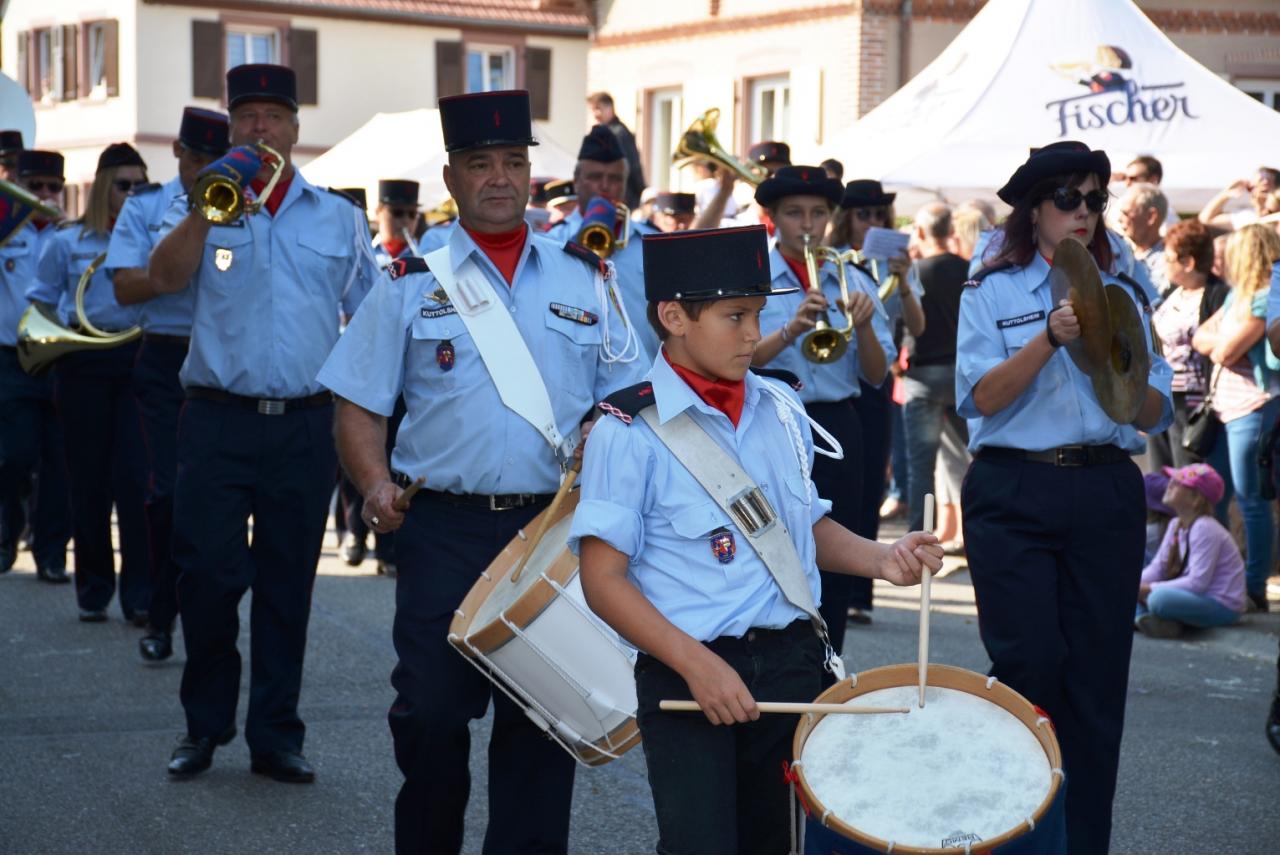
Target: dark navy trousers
[(107, 466), (235, 463), (160, 400), (839, 481), (1056, 554), (440, 552), (874, 407), (33, 475)]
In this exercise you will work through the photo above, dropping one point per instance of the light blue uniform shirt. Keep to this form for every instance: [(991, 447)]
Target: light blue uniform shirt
[(269, 290), (65, 256), (457, 432), (838, 380), (143, 222), (640, 500), (997, 319), (436, 237), (17, 269)]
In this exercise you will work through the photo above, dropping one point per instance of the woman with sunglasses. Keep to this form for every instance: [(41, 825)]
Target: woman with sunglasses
[(1054, 511), (93, 391)]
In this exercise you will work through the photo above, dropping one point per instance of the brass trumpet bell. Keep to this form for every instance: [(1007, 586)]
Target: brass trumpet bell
[(699, 143), (218, 193), (825, 344), (606, 227)]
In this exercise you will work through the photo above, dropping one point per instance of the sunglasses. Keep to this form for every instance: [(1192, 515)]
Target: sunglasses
[(124, 185), (403, 212), (51, 186), (1068, 199), (866, 214)]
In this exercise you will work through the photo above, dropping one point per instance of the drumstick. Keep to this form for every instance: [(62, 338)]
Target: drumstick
[(402, 501), (569, 478), (929, 525), (785, 707)]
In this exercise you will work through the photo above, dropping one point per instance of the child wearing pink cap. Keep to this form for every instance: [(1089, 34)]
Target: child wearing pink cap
[(1197, 576)]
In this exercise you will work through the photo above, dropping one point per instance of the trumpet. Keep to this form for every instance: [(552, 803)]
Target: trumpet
[(824, 343), (606, 227), (218, 193), (42, 339), (700, 143)]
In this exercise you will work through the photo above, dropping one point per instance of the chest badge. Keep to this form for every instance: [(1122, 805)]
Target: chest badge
[(440, 296), (573, 313), (9, 265), (222, 258), (445, 355), (723, 546)]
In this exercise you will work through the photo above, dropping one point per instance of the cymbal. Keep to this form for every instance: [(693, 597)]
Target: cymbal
[(1122, 384), (1074, 277)]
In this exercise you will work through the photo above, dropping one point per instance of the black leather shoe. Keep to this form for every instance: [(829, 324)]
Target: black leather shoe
[(387, 568), (353, 550), (140, 618), (194, 754), (93, 615), (287, 766), (8, 555), (156, 645), (53, 575)]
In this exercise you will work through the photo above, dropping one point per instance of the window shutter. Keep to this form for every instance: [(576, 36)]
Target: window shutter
[(70, 64), (207, 57), (537, 78), (304, 60), (449, 79), (111, 58), (24, 60)]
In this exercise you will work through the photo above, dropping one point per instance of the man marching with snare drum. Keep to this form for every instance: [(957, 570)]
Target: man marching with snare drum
[(468, 335)]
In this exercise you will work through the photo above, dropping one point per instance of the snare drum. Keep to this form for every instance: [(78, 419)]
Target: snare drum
[(977, 770), (537, 640)]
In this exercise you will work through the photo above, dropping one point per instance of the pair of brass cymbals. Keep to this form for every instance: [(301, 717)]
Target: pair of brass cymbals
[(1112, 347)]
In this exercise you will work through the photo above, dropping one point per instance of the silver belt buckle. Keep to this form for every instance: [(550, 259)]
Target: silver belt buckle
[(752, 512), (270, 407)]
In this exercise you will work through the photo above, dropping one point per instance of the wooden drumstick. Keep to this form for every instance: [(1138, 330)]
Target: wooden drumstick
[(402, 501), (785, 707), (929, 525), (569, 478)]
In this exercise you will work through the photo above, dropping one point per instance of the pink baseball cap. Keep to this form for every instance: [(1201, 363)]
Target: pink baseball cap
[(1200, 477)]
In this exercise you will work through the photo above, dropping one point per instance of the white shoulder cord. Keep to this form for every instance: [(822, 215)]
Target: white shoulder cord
[(608, 297), (786, 407)]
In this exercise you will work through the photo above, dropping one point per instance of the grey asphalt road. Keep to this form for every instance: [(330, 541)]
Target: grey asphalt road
[(86, 730)]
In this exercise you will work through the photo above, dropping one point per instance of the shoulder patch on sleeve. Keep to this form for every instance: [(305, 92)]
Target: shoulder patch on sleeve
[(579, 251), (779, 374), (626, 404), (344, 197), (976, 280), (405, 266), (142, 189)]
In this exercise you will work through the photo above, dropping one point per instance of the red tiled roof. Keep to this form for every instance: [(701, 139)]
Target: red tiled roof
[(564, 15)]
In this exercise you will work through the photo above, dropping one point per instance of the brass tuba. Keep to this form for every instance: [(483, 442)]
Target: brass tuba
[(42, 338), (700, 143), (824, 343), (218, 193)]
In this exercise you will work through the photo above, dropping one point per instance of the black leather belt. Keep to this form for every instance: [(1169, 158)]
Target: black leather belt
[(264, 406), (1067, 455), (499, 502), (161, 338)]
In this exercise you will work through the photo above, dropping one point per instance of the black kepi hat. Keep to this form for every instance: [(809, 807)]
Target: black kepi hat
[(1061, 158), (36, 162), (119, 154), (708, 264), (600, 145), (355, 194), (559, 190), (480, 119), (205, 131), (674, 203), (798, 181), (865, 193), (770, 151), (262, 82), (398, 191), (10, 143), (538, 189)]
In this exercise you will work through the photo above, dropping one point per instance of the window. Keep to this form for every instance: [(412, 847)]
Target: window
[(666, 126), (1262, 89), (251, 45), (770, 109), (44, 64), (96, 57), (490, 68)]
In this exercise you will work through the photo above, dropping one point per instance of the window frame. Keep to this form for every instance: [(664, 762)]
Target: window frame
[(754, 88), (95, 90), (487, 50), (1268, 87), (247, 29), (662, 174)]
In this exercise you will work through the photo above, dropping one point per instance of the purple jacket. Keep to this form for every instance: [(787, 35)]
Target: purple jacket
[(1212, 567)]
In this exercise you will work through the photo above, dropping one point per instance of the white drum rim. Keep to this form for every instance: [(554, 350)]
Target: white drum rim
[(941, 676)]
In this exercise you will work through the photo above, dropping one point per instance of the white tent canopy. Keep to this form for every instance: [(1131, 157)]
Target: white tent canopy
[(410, 145), (1026, 73)]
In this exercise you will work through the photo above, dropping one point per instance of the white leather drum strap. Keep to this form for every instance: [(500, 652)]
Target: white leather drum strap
[(502, 348), (738, 496)]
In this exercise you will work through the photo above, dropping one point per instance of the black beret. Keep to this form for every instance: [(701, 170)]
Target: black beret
[(205, 131), (674, 203), (398, 191), (36, 162), (601, 145), (262, 82), (1061, 158), (798, 181), (119, 154), (481, 119), (865, 193), (684, 265), (10, 142), (770, 152), (355, 194)]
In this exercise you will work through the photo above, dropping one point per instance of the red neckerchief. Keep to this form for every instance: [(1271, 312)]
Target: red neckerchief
[(799, 268), (726, 396), (394, 246), (503, 248), (277, 195), (768, 222)]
